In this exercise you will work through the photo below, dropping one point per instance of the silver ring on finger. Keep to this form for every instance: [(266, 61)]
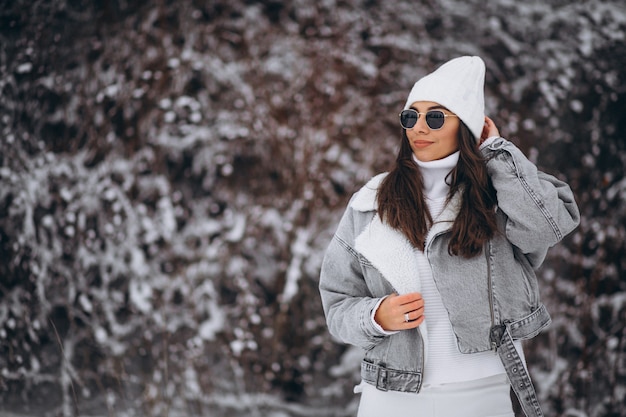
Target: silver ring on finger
[(406, 317)]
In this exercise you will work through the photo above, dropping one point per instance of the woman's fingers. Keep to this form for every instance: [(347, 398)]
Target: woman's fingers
[(415, 317), (489, 129), (412, 297), (415, 312)]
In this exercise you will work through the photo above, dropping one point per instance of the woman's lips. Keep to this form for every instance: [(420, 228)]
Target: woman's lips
[(421, 143)]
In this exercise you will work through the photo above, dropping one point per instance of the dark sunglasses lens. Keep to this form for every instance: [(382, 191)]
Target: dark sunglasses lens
[(435, 119), (408, 118)]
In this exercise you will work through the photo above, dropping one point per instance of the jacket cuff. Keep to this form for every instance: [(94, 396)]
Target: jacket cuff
[(488, 141)]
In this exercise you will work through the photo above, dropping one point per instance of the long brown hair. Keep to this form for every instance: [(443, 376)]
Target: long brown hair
[(402, 205)]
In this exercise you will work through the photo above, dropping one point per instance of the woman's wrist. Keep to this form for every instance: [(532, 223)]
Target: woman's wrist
[(375, 323)]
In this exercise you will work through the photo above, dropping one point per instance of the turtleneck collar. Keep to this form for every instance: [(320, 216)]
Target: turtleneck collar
[(434, 174)]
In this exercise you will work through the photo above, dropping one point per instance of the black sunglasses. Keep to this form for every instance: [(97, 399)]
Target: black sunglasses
[(434, 118)]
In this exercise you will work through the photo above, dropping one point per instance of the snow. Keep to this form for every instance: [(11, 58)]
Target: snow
[(212, 326)]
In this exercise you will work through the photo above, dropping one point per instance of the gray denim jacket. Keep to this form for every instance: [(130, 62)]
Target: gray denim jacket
[(492, 299)]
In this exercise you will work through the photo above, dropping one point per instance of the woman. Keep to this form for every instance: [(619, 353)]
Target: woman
[(431, 269)]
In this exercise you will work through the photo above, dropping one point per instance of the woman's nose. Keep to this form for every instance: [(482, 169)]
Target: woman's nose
[(420, 124)]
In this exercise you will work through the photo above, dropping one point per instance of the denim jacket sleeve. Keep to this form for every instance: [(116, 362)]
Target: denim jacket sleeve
[(346, 299), (540, 209)]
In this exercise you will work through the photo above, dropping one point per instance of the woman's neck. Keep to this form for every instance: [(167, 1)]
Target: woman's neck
[(434, 174)]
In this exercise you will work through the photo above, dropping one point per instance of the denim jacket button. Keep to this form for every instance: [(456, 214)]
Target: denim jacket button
[(514, 370)]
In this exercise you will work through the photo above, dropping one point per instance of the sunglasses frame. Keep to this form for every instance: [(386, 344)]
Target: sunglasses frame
[(426, 116)]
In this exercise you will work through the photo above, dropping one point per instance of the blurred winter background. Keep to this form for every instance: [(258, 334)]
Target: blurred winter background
[(172, 171)]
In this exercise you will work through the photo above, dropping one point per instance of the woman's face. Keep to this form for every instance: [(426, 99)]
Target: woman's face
[(428, 144)]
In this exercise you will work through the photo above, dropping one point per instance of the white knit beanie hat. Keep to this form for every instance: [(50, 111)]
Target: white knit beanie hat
[(459, 86)]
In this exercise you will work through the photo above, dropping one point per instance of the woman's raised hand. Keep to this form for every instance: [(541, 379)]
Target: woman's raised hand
[(489, 130), (400, 312)]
